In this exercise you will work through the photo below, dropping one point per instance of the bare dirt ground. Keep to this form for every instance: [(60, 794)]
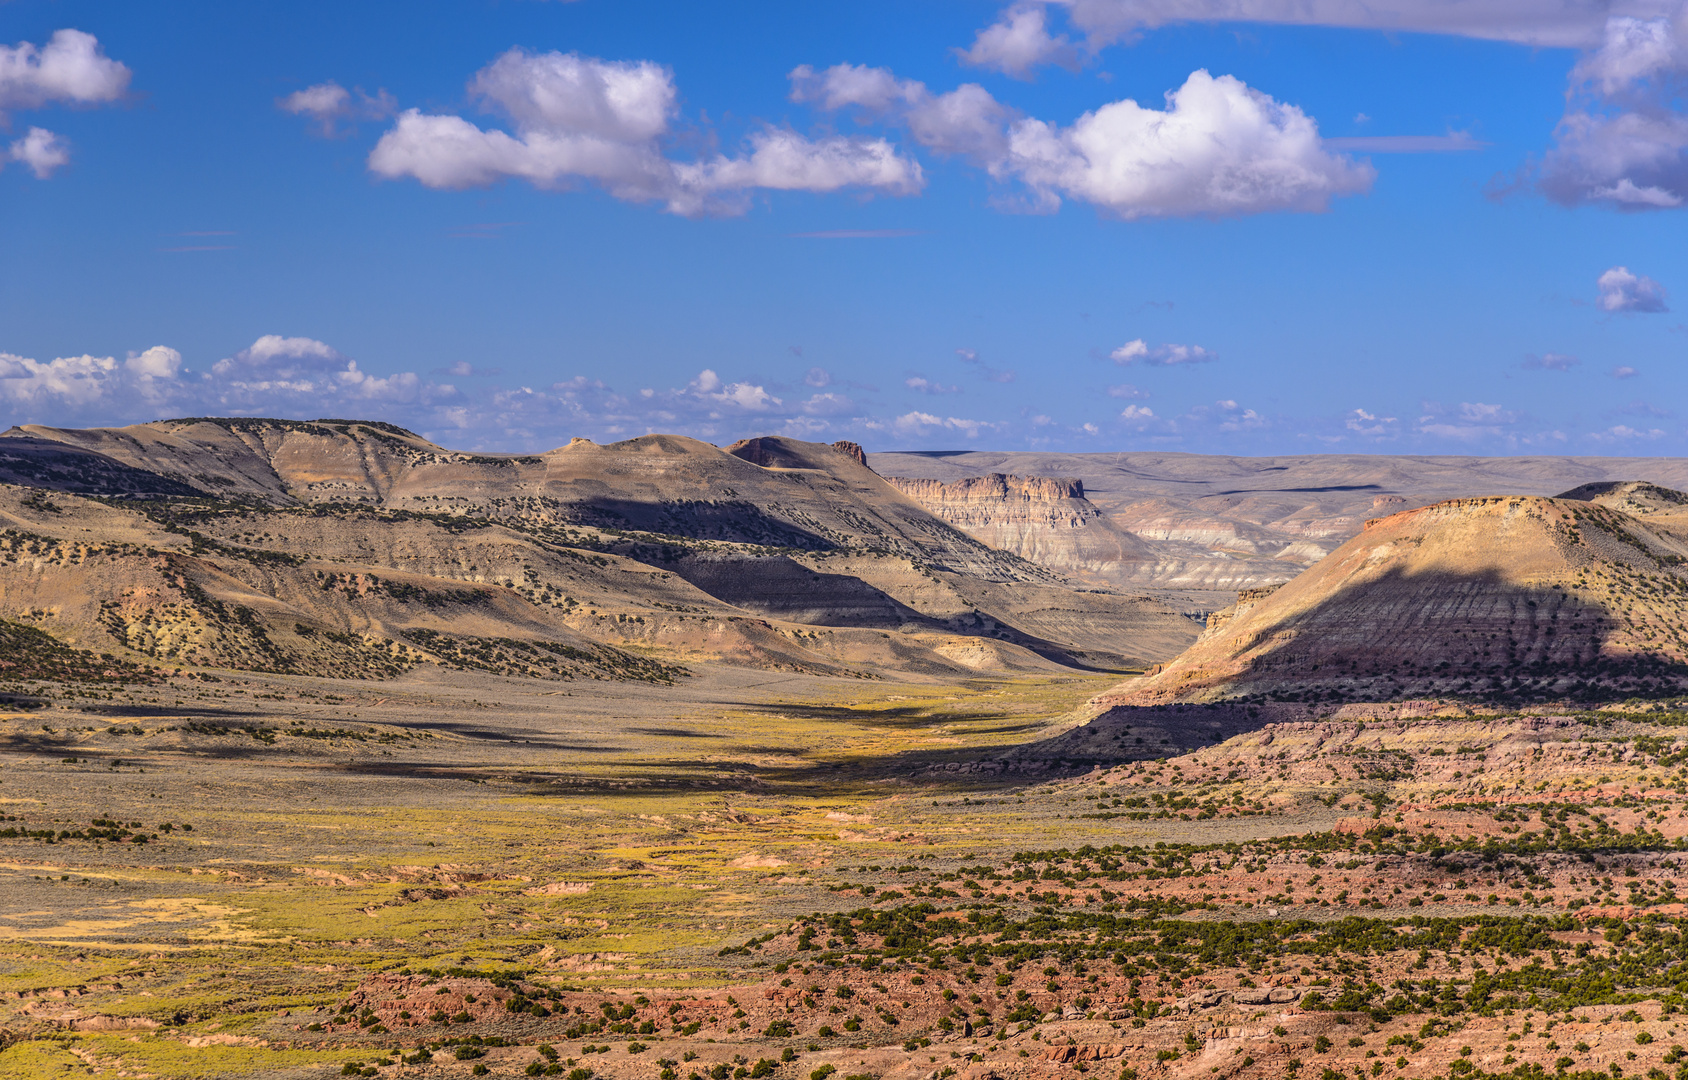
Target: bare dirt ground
[(791, 876)]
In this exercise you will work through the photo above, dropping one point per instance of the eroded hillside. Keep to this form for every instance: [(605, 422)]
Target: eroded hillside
[(352, 549)]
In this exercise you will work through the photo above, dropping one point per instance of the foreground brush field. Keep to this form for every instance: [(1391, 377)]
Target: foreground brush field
[(781, 875)]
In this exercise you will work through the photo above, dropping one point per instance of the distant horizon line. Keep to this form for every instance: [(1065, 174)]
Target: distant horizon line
[(932, 453)]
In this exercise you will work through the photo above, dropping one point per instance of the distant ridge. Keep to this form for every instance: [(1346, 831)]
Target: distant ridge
[(1216, 523)]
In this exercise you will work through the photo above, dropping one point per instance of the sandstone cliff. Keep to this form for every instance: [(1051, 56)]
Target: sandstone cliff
[(1046, 520), (996, 487)]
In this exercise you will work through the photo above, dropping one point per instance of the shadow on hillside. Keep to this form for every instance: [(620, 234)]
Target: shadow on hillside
[(676, 733), (142, 711), (56, 466), (1474, 637), (901, 717), (736, 521), (780, 588), (914, 771)]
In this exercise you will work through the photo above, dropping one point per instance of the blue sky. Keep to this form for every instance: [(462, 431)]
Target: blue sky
[(1405, 226)]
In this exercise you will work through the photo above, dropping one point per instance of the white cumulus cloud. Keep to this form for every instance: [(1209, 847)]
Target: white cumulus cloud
[(1219, 148), (1369, 424), (42, 151), (579, 118), (1625, 433), (828, 404), (1471, 422), (746, 396), (70, 68), (67, 380), (276, 369), (1018, 42), (924, 423), (1632, 51), (1621, 290), (1632, 160), (783, 160), (1623, 140), (1138, 351)]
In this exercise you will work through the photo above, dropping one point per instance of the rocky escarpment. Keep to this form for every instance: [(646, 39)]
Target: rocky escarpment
[(1247, 601), (995, 488), (1043, 519), (1048, 520)]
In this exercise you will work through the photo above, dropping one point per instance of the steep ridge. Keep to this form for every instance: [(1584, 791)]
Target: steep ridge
[(1491, 598), (349, 547)]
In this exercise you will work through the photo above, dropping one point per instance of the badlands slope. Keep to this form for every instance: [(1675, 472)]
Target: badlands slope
[(1499, 598), (355, 549)]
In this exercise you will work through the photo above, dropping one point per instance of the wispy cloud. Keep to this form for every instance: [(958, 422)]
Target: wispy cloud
[(1452, 143), (988, 373), (859, 234), (1551, 362), (336, 109)]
